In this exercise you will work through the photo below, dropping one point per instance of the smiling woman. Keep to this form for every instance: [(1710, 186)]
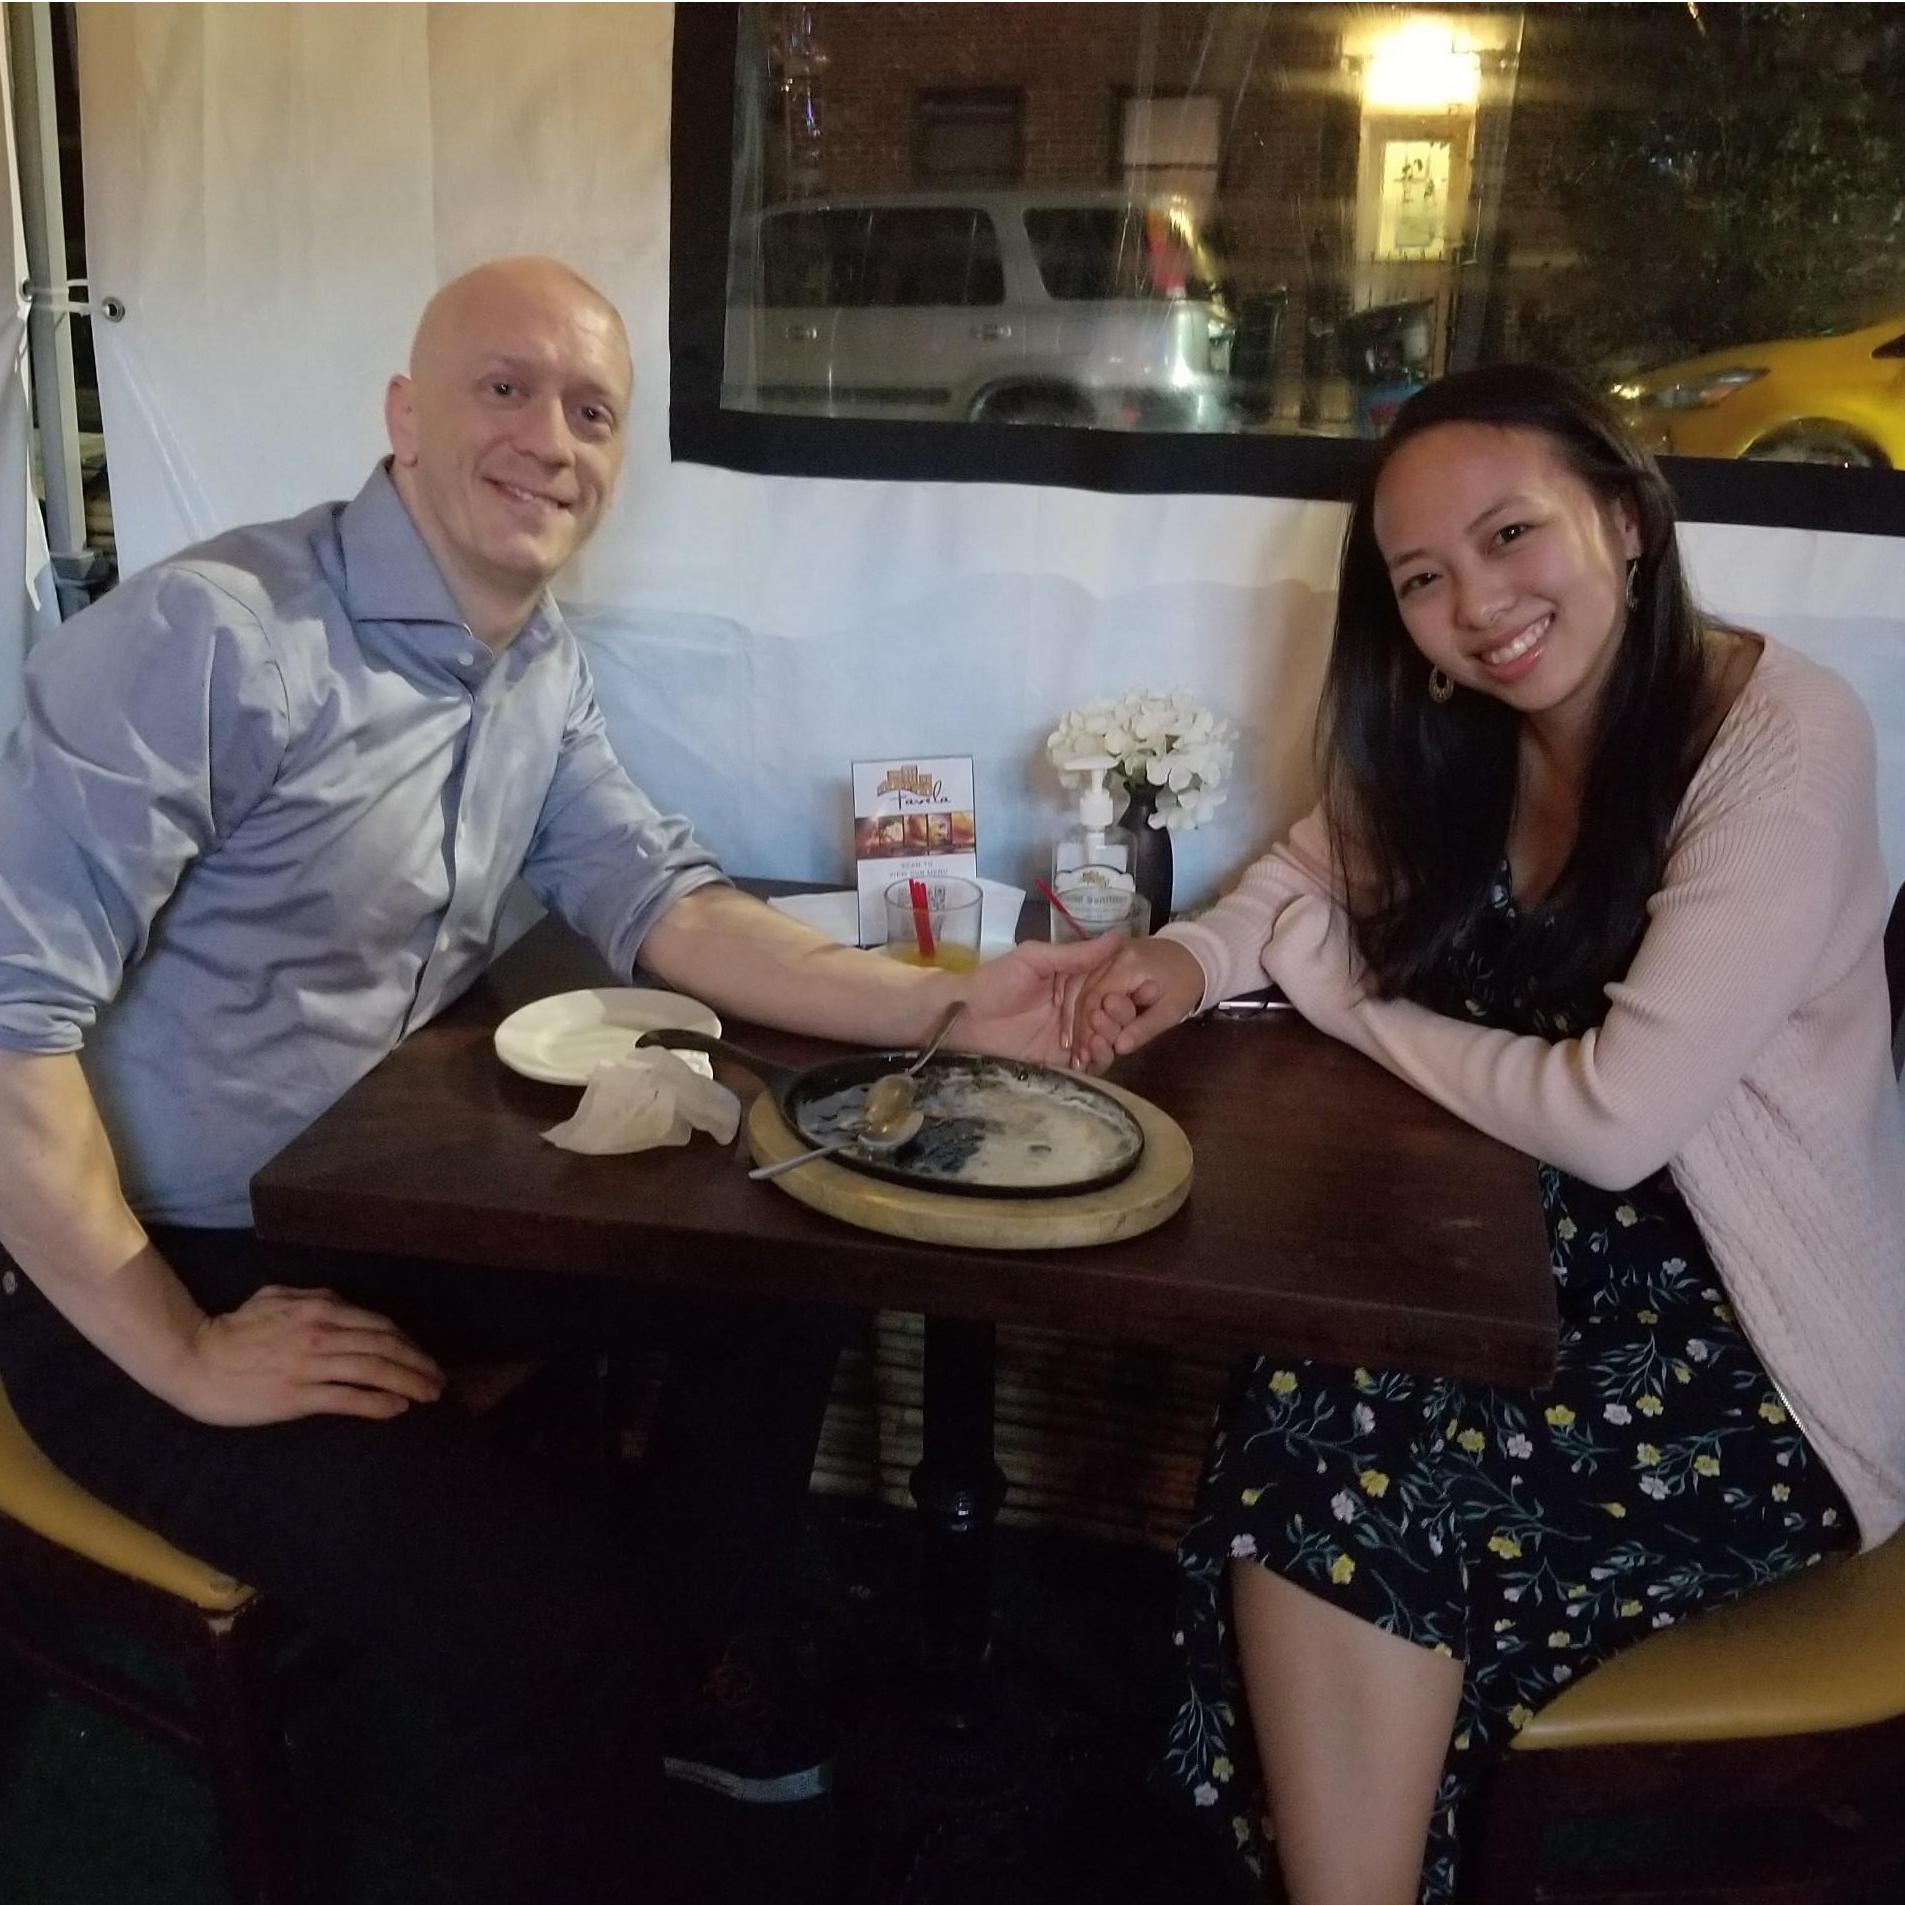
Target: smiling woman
[(1614, 898), (1513, 536)]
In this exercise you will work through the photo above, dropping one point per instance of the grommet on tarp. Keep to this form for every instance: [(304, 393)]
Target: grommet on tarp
[(58, 299)]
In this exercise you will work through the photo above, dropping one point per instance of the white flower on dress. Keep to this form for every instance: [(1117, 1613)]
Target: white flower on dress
[(1519, 1447), (1205, 1794), (1699, 1349), (1364, 1418), (1343, 1505), (1242, 1547), (1653, 1486)]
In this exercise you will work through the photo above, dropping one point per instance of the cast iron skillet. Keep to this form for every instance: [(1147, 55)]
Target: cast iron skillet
[(929, 1160)]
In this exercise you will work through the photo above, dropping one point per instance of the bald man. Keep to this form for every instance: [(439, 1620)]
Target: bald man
[(258, 823)]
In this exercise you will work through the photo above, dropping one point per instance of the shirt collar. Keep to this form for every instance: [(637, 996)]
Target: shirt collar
[(390, 574)]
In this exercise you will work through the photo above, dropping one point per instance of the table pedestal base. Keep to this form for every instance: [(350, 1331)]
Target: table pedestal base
[(959, 1769)]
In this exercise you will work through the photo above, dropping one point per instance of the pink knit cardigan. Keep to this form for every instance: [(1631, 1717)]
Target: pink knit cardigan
[(1747, 1047)]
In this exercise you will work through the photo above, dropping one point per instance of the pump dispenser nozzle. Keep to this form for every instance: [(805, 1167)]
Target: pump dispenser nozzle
[(1095, 805)]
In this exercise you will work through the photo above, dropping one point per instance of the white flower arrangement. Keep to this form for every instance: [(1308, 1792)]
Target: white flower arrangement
[(1164, 741)]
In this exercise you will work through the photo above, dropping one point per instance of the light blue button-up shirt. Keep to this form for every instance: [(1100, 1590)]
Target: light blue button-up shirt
[(259, 820)]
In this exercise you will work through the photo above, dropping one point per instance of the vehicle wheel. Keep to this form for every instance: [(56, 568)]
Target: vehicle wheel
[(1028, 403), (1818, 443)]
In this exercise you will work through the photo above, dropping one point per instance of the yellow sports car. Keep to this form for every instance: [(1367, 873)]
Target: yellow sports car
[(1798, 400)]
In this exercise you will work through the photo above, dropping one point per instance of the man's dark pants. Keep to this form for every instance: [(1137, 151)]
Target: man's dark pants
[(548, 1619)]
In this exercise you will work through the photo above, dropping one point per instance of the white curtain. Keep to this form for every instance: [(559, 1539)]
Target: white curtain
[(274, 190), (27, 601)]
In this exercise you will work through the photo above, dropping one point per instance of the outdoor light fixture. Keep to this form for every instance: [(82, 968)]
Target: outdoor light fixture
[(1419, 68)]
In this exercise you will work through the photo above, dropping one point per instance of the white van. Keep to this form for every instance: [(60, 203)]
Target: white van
[(1104, 309)]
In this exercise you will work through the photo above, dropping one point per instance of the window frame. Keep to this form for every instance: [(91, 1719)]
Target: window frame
[(1707, 489)]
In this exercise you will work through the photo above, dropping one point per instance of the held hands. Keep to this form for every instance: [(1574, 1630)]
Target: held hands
[(1024, 1004), (285, 1353), (1145, 990)]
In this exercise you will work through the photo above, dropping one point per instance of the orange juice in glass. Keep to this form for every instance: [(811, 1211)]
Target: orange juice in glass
[(941, 929)]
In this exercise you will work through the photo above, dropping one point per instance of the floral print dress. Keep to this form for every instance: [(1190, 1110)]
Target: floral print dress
[(1528, 1534)]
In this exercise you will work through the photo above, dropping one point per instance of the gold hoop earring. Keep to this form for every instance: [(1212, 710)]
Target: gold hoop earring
[(1633, 583), (1441, 688)]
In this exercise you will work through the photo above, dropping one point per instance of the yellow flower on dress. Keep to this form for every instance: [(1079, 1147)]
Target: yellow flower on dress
[(1362, 1378), (1724, 1311), (1647, 1455), (1626, 1216), (1461, 1741), (1617, 1509), (1628, 1609), (1781, 1492), (1771, 1412), (1706, 1464), (1251, 1497), (1519, 1716), (1559, 1416), (1681, 1373), (1505, 1545), (1648, 1316), (1282, 1381), (1221, 1768), (1472, 1440), (1373, 1481), (1565, 1230), (1560, 1638), (1649, 1405), (1341, 1569)]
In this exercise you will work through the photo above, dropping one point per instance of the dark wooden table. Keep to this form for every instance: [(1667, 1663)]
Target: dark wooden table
[(1335, 1213)]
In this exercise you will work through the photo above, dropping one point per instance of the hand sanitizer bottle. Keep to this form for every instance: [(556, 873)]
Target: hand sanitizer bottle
[(1093, 860)]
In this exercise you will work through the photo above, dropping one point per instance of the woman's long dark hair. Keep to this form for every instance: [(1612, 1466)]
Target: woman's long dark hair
[(1420, 794)]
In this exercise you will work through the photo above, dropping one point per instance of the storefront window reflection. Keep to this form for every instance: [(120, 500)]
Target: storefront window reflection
[(1284, 218)]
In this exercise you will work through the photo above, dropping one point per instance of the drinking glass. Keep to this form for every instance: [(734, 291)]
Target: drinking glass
[(952, 923)]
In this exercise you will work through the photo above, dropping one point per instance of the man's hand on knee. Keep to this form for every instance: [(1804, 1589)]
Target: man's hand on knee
[(286, 1353)]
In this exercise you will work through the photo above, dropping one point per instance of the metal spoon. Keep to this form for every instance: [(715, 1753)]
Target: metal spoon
[(888, 1097), (879, 1136)]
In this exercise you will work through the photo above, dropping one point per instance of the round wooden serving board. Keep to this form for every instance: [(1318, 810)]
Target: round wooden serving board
[(1135, 1204)]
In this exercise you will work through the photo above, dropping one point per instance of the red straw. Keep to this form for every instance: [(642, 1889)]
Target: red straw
[(1063, 911), (922, 925)]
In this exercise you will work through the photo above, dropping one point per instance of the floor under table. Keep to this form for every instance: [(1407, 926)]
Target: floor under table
[(92, 1813)]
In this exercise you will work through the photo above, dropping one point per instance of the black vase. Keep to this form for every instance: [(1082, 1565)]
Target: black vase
[(1151, 857)]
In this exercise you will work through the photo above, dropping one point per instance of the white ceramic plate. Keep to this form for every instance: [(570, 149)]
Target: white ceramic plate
[(561, 1040)]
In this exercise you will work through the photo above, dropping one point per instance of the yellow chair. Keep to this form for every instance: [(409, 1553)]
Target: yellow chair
[(63, 1551), (1791, 1698)]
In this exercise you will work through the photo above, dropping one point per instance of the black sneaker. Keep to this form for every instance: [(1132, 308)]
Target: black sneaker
[(754, 1730)]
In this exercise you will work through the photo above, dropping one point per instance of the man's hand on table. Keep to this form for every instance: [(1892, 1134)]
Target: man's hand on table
[(1023, 1004), (286, 1353), (1149, 987)]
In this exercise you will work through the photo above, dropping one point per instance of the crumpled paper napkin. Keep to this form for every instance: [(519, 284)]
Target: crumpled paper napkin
[(650, 1097)]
